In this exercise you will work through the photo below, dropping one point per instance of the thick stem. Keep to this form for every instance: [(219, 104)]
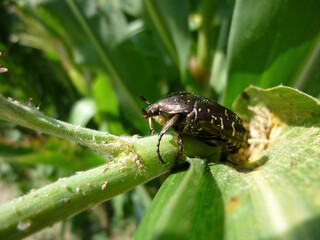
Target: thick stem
[(30, 117), (66, 197)]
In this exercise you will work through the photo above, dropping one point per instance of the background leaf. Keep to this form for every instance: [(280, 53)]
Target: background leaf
[(184, 199), (271, 43), (170, 20)]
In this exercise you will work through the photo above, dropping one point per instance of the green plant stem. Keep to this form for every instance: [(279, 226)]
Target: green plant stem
[(66, 197), (30, 117)]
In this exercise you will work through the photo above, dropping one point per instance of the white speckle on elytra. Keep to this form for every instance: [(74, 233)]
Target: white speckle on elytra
[(214, 117), (221, 120), (233, 129)]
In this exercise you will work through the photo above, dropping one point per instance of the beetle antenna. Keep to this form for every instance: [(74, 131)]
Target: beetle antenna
[(144, 100)]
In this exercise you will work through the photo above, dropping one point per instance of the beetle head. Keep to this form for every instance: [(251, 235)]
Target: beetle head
[(152, 109), (149, 113)]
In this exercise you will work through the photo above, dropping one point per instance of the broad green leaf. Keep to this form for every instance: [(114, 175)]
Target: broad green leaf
[(216, 38), (54, 152), (96, 36), (132, 7), (170, 20), (276, 200), (185, 199), (141, 201), (82, 112), (274, 42), (108, 115)]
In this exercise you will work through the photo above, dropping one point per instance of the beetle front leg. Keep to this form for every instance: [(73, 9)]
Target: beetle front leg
[(165, 128), (151, 126)]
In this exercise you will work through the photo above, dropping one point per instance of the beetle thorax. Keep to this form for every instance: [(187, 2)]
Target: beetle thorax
[(154, 110)]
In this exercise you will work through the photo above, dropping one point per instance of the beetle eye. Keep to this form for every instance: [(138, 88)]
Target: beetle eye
[(154, 112)]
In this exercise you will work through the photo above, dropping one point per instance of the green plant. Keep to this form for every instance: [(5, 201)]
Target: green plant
[(104, 54)]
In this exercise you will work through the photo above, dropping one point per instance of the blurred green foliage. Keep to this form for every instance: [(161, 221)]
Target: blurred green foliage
[(87, 62)]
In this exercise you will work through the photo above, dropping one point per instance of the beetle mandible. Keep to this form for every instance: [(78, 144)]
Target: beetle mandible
[(196, 116)]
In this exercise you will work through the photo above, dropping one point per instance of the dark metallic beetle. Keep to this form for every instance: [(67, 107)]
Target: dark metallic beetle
[(196, 116)]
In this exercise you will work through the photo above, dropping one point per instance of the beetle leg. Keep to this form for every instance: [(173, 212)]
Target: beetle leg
[(151, 125), (165, 128)]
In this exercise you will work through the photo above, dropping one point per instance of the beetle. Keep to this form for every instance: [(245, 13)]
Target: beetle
[(196, 116)]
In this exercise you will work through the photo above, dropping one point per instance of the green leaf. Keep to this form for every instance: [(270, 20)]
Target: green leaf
[(170, 20), (293, 107), (108, 112), (96, 36), (141, 201), (276, 200), (53, 152), (274, 42), (186, 198), (82, 112)]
